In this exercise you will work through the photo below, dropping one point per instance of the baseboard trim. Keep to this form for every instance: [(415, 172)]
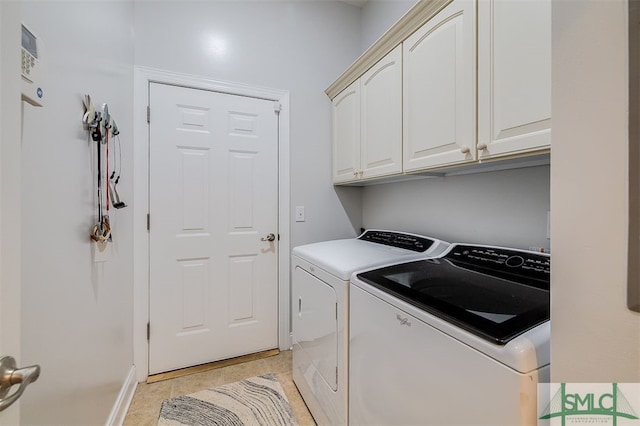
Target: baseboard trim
[(154, 378), (121, 406)]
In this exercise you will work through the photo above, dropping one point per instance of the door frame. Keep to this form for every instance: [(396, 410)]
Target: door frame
[(142, 79)]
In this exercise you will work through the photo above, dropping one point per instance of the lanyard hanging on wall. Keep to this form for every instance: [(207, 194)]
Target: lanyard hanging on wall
[(101, 126), (117, 170), (112, 134), (107, 129)]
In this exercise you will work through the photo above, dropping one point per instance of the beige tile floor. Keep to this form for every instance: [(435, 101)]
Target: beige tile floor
[(145, 406)]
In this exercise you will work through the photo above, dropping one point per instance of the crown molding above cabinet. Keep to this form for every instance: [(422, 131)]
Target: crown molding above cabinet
[(417, 16)]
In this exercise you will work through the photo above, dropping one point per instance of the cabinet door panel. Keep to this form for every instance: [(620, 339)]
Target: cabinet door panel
[(439, 90), (514, 76), (346, 134), (381, 89)]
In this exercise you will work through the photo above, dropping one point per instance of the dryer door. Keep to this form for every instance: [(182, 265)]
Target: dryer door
[(315, 324)]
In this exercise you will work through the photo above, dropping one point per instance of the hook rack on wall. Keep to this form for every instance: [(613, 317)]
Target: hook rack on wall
[(103, 130)]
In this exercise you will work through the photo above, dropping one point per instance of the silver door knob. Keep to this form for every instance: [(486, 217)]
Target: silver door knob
[(11, 375), (270, 237)]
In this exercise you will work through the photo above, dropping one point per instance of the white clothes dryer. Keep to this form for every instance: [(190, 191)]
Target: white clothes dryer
[(320, 310)]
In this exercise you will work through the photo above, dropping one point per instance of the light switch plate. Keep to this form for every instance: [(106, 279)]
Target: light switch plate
[(299, 213)]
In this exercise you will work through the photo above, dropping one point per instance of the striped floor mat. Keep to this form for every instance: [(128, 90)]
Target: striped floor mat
[(258, 401)]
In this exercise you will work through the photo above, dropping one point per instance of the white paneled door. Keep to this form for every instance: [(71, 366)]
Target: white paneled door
[(213, 195)]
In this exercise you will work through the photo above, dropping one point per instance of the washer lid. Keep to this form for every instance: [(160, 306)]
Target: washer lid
[(494, 293)]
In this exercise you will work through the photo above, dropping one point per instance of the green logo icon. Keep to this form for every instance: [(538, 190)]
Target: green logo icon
[(565, 404)]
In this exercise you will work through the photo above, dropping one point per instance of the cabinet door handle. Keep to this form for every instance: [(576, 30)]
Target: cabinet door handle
[(465, 150), (482, 146)]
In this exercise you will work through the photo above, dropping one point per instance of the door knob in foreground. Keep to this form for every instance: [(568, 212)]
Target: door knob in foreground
[(270, 237), (11, 375)]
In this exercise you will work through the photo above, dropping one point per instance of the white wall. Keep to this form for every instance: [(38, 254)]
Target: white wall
[(594, 337), (378, 16), (76, 314), (507, 208), (10, 190), (296, 46)]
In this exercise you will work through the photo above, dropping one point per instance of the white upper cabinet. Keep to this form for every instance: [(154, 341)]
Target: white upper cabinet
[(514, 77), (420, 98), (367, 123), (381, 91), (439, 90), (346, 134)]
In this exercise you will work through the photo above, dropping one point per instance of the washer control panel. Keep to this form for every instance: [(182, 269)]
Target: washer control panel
[(503, 261)]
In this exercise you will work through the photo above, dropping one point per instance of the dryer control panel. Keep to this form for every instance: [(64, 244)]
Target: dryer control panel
[(397, 239)]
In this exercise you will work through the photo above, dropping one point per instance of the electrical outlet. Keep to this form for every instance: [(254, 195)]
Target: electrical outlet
[(299, 213), (538, 249)]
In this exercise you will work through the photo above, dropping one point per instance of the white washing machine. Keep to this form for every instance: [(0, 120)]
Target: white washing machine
[(462, 339), (320, 310)]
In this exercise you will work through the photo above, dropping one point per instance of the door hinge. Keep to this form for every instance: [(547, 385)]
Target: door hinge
[(148, 222), (148, 114), (148, 331), (277, 106), (278, 237)]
